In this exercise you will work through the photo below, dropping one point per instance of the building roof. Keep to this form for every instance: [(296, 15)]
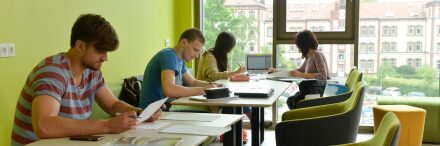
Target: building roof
[(411, 9)]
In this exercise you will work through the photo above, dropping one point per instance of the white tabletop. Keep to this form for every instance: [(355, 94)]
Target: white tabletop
[(224, 120), (278, 86)]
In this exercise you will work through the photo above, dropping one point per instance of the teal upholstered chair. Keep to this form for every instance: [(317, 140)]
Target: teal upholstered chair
[(386, 135), (354, 77), (324, 125)]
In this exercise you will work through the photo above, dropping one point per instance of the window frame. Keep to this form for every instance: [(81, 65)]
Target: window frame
[(346, 37)]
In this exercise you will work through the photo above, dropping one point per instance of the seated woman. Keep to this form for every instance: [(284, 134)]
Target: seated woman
[(213, 64), (314, 66)]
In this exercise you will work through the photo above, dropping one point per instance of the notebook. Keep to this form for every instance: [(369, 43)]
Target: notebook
[(254, 92), (258, 63)]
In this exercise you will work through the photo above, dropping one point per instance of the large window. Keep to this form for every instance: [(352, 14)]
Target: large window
[(393, 49)]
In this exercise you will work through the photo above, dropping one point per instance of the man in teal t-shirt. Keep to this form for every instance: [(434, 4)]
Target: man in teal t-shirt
[(166, 74)]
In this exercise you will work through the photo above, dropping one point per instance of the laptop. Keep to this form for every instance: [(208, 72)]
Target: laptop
[(258, 63), (253, 92)]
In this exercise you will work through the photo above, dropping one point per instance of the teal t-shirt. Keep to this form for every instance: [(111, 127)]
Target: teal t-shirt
[(166, 59)]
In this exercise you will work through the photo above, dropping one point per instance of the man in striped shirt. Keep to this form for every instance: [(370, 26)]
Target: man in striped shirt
[(57, 98)]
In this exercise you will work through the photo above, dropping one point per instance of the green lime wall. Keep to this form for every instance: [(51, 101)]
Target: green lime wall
[(42, 28)]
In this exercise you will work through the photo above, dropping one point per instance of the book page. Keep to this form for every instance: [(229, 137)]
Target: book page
[(151, 109)]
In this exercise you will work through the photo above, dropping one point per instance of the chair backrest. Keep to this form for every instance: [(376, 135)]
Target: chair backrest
[(322, 123), (354, 77), (386, 135)]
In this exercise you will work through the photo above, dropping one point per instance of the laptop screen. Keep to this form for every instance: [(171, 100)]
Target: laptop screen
[(258, 61)]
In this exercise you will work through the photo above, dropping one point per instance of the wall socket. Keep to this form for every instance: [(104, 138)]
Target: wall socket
[(7, 50), (167, 43)]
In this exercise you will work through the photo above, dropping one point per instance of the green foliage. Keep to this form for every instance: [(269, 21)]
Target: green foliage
[(218, 18), (423, 80), (386, 69), (406, 70), (284, 63)]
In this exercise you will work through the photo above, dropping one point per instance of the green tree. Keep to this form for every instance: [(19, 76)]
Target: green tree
[(218, 18), (427, 73), (406, 70), (386, 69)]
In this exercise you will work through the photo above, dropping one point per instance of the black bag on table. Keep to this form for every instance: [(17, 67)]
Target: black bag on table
[(306, 87), (131, 91)]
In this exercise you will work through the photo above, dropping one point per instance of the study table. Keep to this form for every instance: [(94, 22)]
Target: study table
[(257, 106), (223, 120)]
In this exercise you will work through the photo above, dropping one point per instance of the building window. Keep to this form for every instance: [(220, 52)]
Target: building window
[(269, 32), (393, 62), (438, 47), (410, 47), (370, 65), (341, 57), (419, 30), (438, 64), (417, 63), (252, 47), (414, 46), (409, 62), (418, 47), (385, 47), (361, 64), (393, 46), (438, 29), (371, 31), (363, 48), (411, 30), (297, 61), (370, 48), (241, 14), (252, 14), (390, 31), (292, 48), (363, 31)]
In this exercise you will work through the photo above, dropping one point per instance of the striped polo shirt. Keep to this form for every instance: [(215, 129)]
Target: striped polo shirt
[(53, 77)]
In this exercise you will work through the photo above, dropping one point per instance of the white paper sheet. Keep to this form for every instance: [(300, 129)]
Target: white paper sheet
[(196, 130), (151, 109), (280, 74), (152, 125), (191, 117)]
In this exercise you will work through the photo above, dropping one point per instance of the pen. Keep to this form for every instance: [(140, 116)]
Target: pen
[(239, 65), (135, 117), (209, 82)]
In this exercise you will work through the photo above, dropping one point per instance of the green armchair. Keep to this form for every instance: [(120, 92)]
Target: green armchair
[(386, 135), (324, 125), (354, 77)]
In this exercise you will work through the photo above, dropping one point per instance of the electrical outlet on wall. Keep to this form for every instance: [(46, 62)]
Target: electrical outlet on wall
[(7, 50), (167, 42), (11, 49)]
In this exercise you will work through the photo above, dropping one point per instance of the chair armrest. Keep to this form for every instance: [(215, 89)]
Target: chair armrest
[(323, 100), (312, 112)]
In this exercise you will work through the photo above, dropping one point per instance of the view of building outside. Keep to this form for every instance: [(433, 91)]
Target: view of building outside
[(399, 41)]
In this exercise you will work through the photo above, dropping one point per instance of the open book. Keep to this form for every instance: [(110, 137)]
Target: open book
[(144, 141)]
